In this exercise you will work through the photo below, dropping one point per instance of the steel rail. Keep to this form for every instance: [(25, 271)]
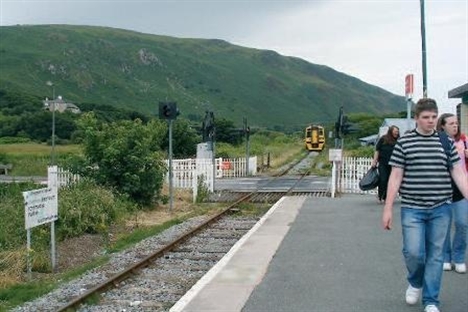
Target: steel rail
[(117, 278), (114, 280)]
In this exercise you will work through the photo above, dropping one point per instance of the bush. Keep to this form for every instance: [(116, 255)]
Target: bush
[(361, 151), (203, 192), (123, 156), (85, 207)]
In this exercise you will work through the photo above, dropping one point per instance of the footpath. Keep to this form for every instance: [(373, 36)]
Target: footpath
[(317, 254)]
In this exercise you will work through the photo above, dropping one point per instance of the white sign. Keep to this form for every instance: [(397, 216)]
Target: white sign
[(334, 154), (40, 206)]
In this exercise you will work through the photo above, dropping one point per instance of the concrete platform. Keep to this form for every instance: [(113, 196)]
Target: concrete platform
[(316, 254)]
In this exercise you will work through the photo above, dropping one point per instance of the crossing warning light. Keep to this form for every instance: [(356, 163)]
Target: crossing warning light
[(168, 110)]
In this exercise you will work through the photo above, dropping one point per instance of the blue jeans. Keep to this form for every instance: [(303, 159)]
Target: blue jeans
[(424, 232), (455, 251)]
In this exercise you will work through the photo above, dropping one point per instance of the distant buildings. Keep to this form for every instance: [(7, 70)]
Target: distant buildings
[(60, 106), (403, 125), (462, 108)]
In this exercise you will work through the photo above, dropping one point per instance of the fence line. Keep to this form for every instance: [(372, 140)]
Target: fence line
[(185, 171)]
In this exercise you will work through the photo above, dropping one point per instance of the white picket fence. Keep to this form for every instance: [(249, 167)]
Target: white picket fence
[(59, 177), (351, 172), (185, 172)]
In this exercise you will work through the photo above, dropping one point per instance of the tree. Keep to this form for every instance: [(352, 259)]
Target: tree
[(123, 155), (367, 124), (184, 139), (227, 132)]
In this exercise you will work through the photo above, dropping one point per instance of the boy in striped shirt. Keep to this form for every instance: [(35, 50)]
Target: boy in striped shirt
[(422, 172)]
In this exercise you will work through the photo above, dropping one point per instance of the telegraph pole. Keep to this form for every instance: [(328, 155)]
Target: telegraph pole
[(247, 145), (423, 41), (52, 155)]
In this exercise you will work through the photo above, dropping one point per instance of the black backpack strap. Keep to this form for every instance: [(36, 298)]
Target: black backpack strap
[(447, 145)]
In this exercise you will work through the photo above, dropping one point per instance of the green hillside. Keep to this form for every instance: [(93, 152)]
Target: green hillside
[(135, 71)]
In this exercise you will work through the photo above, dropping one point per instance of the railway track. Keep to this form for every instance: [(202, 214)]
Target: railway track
[(158, 285), (157, 280), (267, 197)]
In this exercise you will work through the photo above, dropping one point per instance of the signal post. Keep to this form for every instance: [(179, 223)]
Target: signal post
[(169, 111)]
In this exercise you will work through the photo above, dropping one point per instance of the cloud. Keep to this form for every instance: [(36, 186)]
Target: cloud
[(377, 41)]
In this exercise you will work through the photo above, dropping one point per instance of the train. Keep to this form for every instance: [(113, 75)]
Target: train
[(314, 138)]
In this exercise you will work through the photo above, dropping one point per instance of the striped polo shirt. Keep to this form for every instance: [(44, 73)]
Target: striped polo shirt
[(426, 179)]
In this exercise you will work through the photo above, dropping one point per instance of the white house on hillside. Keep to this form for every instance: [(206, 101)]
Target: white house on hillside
[(60, 106)]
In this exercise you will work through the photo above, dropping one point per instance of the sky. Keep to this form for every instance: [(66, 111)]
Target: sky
[(376, 41)]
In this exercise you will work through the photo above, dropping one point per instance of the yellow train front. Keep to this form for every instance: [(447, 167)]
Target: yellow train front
[(315, 138)]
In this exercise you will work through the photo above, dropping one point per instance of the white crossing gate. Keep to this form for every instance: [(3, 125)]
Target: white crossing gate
[(351, 172)]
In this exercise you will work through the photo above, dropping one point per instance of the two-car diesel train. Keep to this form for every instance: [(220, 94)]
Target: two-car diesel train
[(315, 138)]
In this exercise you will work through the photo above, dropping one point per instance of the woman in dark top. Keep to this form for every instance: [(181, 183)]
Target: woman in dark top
[(383, 152)]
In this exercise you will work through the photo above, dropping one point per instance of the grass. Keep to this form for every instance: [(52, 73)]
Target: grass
[(140, 234), (22, 292), (32, 159), (321, 165), (37, 149)]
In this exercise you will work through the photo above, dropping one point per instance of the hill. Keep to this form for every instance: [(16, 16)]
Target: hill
[(133, 70)]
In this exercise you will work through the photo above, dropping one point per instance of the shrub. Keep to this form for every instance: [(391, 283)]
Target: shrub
[(85, 207), (361, 151), (123, 156)]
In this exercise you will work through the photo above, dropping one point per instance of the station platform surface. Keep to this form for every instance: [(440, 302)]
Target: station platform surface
[(317, 254)]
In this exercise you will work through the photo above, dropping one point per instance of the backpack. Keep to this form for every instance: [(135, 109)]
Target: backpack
[(447, 145)]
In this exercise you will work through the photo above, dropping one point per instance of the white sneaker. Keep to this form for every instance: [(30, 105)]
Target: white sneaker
[(447, 266), (460, 268), (431, 308), (412, 295)]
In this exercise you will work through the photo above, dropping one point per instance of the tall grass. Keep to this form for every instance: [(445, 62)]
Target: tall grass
[(83, 208), (278, 147), (37, 149), (32, 159)]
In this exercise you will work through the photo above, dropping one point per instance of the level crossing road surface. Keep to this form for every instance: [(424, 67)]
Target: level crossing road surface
[(317, 254), (279, 184)]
